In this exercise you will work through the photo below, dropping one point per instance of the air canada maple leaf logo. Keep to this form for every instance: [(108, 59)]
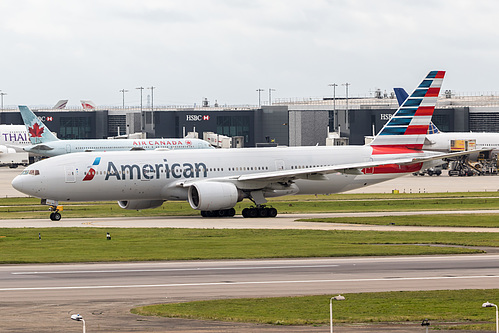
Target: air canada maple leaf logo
[(36, 131)]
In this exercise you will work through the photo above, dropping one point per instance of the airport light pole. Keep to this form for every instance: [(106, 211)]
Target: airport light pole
[(259, 97), (140, 88), (490, 305), (123, 91), (346, 114), (336, 298), (270, 95), (2, 94), (142, 127), (78, 317), (152, 105), (152, 96), (334, 85)]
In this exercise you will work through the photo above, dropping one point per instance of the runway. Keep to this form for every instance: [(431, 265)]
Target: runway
[(105, 287)]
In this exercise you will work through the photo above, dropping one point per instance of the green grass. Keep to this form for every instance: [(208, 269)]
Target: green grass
[(445, 309), (30, 207), (453, 220), (21, 245)]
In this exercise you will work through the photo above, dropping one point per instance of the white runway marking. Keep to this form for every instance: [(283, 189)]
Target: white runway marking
[(171, 269), (251, 282)]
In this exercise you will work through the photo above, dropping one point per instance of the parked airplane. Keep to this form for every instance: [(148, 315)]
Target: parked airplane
[(46, 143), (454, 141), (13, 136), (213, 181), (12, 140)]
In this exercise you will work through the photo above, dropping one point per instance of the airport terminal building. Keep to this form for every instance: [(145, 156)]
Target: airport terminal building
[(291, 123)]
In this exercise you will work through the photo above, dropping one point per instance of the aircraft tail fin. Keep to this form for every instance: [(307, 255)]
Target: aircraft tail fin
[(409, 124), (402, 95), (61, 104), (38, 132), (88, 105)]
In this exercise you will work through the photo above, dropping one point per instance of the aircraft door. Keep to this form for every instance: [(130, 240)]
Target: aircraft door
[(70, 174), (68, 148), (279, 165)]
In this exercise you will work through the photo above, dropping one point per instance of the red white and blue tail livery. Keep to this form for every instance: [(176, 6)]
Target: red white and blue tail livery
[(409, 125)]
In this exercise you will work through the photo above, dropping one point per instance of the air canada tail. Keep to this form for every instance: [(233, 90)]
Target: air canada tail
[(409, 125), (38, 132)]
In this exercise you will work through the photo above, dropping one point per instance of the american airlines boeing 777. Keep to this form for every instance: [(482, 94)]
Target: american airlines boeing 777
[(47, 144), (213, 181)]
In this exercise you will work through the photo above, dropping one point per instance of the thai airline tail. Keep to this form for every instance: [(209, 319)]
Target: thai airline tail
[(38, 132), (409, 125)]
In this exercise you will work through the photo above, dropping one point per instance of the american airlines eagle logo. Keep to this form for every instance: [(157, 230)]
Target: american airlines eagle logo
[(90, 174), (36, 131)]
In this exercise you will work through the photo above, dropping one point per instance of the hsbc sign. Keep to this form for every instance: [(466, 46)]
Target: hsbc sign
[(43, 118), (196, 117)]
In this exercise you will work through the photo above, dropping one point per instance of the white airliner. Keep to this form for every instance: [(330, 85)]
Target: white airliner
[(454, 141), (213, 181), (13, 138), (47, 144)]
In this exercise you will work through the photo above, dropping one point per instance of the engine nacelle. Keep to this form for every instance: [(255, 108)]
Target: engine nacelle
[(140, 204), (209, 196), (6, 150)]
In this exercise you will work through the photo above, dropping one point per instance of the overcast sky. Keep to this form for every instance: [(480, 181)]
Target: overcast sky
[(226, 49)]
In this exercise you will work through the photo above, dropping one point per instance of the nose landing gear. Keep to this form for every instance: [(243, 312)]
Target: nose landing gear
[(55, 215)]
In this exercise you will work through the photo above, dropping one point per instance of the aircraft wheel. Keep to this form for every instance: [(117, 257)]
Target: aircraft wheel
[(272, 212), (56, 216), (221, 213), (263, 212), (252, 212), (203, 213), (231, 212), (245, 212)]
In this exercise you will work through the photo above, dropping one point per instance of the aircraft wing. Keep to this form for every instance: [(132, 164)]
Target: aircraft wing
[(352, 168), (38, 147)]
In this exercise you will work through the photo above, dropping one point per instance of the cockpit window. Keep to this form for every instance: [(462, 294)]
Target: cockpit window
[(32, 172)]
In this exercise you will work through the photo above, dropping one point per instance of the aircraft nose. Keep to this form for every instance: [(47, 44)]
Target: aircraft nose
[(18, 183)]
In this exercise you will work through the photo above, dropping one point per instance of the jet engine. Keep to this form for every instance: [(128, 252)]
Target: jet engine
[(140, 204), (210, 196), (7, 150)]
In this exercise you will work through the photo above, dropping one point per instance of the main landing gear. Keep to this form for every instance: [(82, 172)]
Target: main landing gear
[(260, 211), (219, 213), (55, 215)]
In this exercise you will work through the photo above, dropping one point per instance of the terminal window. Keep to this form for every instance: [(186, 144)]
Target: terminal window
[(234, 126), (75, 128)]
